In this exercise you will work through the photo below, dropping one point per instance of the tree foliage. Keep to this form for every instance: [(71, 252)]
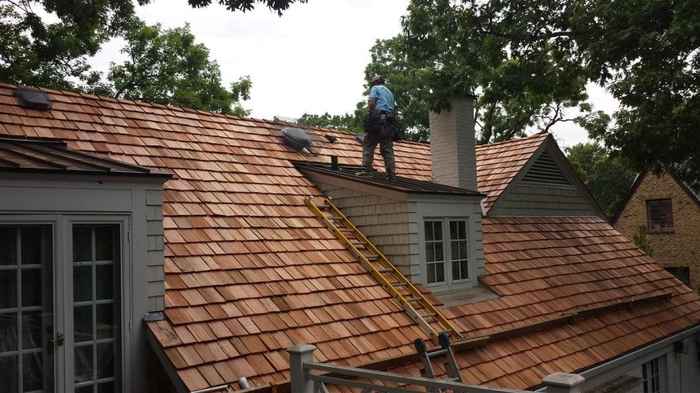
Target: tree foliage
[(349, 122), (53, 51), (528, 60), (54, 54), (608, 177), (444, 51), (167, 66)]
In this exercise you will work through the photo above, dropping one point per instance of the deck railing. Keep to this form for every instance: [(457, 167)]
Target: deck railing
[(308, 376)]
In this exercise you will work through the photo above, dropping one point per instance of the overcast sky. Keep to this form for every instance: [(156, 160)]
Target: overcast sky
[(310, 60)]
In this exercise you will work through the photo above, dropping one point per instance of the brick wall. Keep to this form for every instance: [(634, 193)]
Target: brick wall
[(682, 246)]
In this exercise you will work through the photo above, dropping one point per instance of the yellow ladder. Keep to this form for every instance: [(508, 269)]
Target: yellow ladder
[(428, 317)]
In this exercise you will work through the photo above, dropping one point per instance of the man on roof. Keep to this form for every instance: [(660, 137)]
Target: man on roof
[(379, 127)]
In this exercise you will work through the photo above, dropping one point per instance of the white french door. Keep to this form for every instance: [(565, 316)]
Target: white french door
[(60, 306)]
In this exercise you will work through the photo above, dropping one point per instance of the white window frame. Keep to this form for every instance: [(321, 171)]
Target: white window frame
[(446, 251), (62, 238)]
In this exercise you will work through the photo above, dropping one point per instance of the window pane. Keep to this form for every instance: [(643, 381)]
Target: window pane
[(85, 389), (463, 250), (431, 272), (105, 282), (464, 269), (8, 246), (105, 321), (105, 360), (455, 271), (82, 323), (32, 377), (454, 250), (438, 230), (429, 253), (31, 330), (440, 272), (438, 252), (428, 226), (31, 245), (8, 332), (104, 243), (82, 244), (8, 288), (83, 363), (454, 230), (82, 283), (31, 287), (8, 373), (107, 387)]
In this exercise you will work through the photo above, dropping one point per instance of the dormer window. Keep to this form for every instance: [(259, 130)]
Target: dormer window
[(446, 241)]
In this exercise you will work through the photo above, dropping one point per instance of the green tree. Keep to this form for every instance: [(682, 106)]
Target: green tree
[(348, 122), (608, 177), (443, 52), (529, 59), (167, 66), (34, 51)]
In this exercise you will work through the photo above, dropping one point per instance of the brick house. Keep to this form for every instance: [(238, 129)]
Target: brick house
[(667, 210), (148, 248)]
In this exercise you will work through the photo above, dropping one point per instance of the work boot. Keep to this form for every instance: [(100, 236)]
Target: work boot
[(369, 172)]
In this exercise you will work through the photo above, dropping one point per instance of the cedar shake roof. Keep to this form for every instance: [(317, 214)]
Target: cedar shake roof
[(250, 270), (23, 155), (498, 163)]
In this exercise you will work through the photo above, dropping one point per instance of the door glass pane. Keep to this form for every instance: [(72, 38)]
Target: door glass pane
[(31, 237), (82, 283), (32, 335), (8, 332), (96, 307), (32, 374), (8, 288), (82, 243), (26, 308), (8, 246), (83, 363), (105, 360), (9, 374), (31, 287), (82, 323)]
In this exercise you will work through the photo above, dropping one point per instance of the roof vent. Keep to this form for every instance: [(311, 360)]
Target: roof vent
[(545, 170), (297, 139), (32, 98)]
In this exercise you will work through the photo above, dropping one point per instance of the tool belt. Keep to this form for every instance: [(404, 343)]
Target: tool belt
[(381, 124)]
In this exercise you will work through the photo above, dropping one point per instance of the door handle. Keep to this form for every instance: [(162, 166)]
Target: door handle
[(57, 341)]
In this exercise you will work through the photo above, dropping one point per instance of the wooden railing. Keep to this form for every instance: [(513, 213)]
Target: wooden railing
[(308, 376)]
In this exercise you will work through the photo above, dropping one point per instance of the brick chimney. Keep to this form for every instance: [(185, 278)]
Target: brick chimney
[(452, 144)]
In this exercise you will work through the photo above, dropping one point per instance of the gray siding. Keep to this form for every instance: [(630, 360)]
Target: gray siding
[(469, 208), (155, 274), (546, 194), (383, 220), (539, 199), (136, 204)]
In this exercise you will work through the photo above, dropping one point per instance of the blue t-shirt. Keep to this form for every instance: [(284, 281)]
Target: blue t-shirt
[(383, 98)]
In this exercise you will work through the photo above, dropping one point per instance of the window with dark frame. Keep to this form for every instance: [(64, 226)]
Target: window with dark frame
[(680, 272), (659, 215)]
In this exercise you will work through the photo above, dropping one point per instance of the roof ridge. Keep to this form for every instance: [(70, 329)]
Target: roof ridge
[(529, 137), (185, 109)]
